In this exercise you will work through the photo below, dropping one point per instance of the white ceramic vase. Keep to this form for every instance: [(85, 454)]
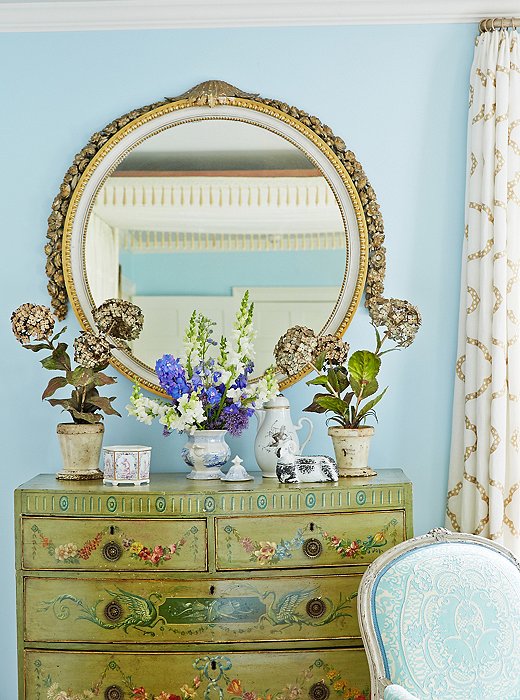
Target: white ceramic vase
[(206, 451), (351, 446), (80, 446)]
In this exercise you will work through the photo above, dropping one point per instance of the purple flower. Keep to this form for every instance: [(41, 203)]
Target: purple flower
[(235, 421), (172, 376)]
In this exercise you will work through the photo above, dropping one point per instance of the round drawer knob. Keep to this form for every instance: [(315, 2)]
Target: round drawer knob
[(114, 692), (312, 548), (112, 551), (113, 611), (315, 608), (319, 691)]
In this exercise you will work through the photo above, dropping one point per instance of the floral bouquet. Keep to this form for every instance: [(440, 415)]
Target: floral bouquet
[(209, 387)]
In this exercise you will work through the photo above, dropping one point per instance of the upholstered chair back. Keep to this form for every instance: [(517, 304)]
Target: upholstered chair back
[(440, 616)]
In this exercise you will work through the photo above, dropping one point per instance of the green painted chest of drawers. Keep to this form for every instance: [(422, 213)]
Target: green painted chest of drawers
[(199, 590)]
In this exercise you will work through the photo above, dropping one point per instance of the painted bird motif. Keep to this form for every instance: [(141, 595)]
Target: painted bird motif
[(137, 612), (283, 611)]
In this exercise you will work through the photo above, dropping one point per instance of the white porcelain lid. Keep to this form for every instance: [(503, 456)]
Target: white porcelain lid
[(278, 401)]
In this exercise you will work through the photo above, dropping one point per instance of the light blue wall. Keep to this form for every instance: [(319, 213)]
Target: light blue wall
[(217, 273), (398, 96)]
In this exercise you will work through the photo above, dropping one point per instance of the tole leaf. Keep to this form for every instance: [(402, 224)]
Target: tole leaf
[(104, 403), (320, 381), (333, 380), (370, 405), (332, 403), (54, 384), (364, 366)]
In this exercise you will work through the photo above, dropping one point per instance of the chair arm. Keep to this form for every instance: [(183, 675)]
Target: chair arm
[(397, 692)]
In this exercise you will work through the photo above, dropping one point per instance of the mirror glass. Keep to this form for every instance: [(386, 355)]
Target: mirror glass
[(201, 211)]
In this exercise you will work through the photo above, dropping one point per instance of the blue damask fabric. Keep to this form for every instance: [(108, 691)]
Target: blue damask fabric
[(447, 617), (396, 692)]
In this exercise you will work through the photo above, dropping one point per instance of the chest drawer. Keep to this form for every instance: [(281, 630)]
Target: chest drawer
[(94, 544), (338, 674), (170, 612), (245, 543)]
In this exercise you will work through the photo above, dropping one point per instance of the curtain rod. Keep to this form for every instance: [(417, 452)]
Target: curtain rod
[(490, 24)]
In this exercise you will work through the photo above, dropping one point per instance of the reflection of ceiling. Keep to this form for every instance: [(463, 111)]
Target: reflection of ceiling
[(142, 242), (215, 161), (220, 205)]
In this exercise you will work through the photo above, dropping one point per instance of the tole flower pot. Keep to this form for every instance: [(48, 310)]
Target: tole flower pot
[(351, 447), (80, 450)]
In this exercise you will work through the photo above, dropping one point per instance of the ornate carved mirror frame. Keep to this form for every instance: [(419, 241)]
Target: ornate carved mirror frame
[(91, 167)]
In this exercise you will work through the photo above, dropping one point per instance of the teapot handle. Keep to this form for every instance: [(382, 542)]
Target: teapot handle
[(299, 426)]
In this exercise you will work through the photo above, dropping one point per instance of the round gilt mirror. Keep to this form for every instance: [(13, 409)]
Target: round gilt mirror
[(187, 203)]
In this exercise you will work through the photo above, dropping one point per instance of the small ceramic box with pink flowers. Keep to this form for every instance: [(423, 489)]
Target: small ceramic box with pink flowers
[(127, 464)]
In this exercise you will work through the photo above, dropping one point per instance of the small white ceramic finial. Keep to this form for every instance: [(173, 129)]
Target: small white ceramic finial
[(237, 471)]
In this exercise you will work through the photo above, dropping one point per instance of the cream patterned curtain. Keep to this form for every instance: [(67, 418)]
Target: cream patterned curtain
[(484, 481)]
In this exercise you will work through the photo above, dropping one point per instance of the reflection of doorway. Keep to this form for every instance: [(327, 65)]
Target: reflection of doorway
[(276, 309)]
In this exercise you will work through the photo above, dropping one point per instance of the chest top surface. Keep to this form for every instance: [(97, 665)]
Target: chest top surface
[(173, 494)]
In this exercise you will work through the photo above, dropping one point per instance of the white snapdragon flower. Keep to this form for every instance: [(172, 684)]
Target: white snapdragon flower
[(235, 394), (266, 387), (143, 408)]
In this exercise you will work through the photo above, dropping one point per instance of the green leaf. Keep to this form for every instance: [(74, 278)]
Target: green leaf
[(364, 366), (319, 361), (315, 407), (85, 417), (58, 360), (57, 335), (342, 375), (103, 403), (81, 376), (36, 347), (54, 384), (333, 380), (322, 380), (356, 386), (332, 403), (370, 388), (348, 397), (101, 379), (370, 405)]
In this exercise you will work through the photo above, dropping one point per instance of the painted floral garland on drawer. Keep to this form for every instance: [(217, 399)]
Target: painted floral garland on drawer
[(72, 553), (268, 553), (213, 679)]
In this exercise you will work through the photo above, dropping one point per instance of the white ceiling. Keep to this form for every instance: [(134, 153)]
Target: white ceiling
[(73, 15)]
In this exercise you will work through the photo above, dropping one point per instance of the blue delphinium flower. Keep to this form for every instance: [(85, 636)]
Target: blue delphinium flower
[(172, 376), (240, 382), (212, 395)]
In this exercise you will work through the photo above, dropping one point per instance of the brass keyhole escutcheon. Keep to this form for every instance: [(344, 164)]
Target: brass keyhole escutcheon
[(114, 692), (319, 691), (312, 548), (112, 551), (315, 608), (113, 611)]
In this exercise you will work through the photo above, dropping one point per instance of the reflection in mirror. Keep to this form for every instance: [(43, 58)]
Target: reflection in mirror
[(201, 211)]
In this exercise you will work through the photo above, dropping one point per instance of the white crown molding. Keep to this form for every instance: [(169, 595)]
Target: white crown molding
[(84, 15)]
